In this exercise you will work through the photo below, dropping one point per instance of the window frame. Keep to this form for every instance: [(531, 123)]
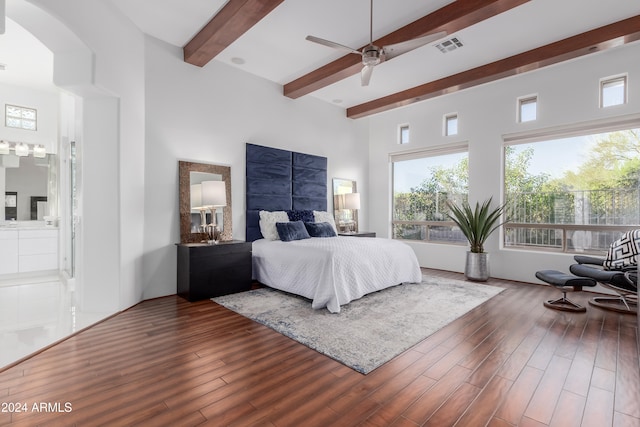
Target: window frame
[(608, 125), (418, 154), (612, 79), (525, 100), (446, 120), (401, 128), (22, 109)]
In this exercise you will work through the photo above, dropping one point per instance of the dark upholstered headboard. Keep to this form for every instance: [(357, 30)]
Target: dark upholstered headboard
[(280, 180)]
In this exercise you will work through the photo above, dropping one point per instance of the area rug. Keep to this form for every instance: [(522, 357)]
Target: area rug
[(370, 331)]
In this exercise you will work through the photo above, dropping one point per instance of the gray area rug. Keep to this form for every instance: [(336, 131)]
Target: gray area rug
[(370, 331)]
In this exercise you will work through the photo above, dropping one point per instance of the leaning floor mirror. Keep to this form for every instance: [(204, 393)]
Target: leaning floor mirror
[(205, 202), (346, 203)]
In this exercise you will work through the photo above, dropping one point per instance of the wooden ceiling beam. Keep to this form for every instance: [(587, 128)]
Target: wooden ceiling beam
[(596, 40), (232, 21), (451, 18)]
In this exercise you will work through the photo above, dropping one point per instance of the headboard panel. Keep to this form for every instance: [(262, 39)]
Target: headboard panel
[(309, 181), (279, 180)]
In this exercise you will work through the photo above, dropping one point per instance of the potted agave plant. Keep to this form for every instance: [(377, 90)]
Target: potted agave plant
[(476, 224)]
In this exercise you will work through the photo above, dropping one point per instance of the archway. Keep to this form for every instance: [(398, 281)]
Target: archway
[(78, 99)]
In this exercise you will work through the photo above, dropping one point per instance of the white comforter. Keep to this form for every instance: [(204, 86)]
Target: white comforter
[(332, 271)]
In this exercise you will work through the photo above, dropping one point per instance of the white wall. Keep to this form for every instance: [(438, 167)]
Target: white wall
[(46, 105), (207, 115), (142, 110), (99, 54), (567, 94)]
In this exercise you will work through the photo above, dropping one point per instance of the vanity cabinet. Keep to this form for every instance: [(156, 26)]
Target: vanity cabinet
[(9, 251), (207, 271), (28, 250), (38, 250)]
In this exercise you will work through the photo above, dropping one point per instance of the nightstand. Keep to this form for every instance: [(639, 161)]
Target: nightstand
[(207, 271), (359, 234)]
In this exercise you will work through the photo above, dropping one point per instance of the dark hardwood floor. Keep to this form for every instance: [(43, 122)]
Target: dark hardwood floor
[(168, 362)]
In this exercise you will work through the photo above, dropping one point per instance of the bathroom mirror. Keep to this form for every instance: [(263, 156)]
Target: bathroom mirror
[(346, 218), (29, 185), (190, 173)]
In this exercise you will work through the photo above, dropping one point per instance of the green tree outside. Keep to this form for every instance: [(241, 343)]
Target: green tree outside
[(608, 182)]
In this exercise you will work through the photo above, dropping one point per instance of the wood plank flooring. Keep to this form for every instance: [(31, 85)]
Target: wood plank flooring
[(168, 362)]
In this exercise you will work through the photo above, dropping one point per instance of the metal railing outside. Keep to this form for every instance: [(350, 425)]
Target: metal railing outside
[(574, 221), (562, 237), (605, 207), (428, 231)]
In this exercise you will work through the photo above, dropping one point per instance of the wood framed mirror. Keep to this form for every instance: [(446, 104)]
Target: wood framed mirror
[(191, 173)]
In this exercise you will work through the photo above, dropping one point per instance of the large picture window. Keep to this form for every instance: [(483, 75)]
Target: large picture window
[(422, 184), (574, 194)]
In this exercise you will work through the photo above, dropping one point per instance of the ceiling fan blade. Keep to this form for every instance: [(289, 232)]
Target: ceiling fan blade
[(394, 50), (331, 44), (365, 75)]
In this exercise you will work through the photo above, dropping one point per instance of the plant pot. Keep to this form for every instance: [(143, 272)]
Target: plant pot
[(477, 266)]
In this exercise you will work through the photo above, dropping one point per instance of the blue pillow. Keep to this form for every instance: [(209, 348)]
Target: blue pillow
[(294, 230), (301, 215), (320, 229)]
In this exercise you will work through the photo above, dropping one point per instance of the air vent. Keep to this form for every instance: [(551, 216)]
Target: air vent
[(450, 44)]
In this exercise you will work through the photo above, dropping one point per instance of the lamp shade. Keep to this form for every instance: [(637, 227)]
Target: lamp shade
[(4, 147), (352, 201), (214, 193)]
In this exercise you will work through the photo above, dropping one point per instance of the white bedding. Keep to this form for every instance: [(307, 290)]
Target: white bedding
[(332, 271)]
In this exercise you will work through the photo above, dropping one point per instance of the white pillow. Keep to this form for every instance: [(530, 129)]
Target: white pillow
[(268, 223), (323, 216)]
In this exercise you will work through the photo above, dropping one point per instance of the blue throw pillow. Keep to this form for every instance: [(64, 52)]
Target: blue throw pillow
[(320, 229), (294, 230), (301, 215)]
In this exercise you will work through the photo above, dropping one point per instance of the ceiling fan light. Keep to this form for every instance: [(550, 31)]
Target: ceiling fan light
[(371, 55), (365, 75)]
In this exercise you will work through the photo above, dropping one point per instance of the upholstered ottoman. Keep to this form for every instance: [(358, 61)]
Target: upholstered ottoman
[(565, 283)]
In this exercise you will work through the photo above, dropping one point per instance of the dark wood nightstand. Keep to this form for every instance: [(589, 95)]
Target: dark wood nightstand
[(207, 271), (359, 234)]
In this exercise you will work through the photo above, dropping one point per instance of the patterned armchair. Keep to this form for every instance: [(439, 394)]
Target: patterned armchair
[(618, 271)]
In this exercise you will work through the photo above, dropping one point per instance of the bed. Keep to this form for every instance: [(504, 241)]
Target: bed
[(289, 187)]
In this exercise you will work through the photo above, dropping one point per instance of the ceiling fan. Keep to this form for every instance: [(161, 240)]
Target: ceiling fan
[(373, 55)]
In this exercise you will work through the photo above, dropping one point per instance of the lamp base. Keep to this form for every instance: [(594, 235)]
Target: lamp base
[(213, 234)]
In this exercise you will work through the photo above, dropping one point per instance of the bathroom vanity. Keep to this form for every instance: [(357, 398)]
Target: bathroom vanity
[(26, 249)]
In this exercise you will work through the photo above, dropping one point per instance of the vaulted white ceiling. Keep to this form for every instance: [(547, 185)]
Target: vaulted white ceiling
[(26, 61), (275, 48)]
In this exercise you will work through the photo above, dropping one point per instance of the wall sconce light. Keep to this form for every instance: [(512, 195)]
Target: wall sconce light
[(214, 196), (39, 151), (21, 149)]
